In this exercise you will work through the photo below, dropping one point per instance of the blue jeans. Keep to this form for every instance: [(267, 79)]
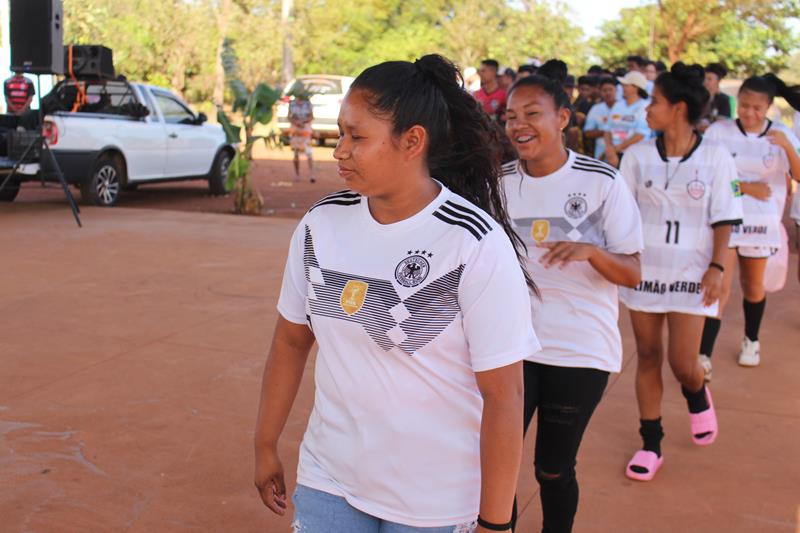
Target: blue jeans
[(319, 512)]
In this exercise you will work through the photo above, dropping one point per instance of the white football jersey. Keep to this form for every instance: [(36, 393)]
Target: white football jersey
[(681, 200), (757, 160), (404, 315), (794, 211), (584, 201)]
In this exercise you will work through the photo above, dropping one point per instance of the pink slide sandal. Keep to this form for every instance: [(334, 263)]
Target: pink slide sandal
[(649, 462), (704, 422)]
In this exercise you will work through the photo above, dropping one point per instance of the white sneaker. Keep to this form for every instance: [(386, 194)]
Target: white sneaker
[(751, 353), (705, 362)]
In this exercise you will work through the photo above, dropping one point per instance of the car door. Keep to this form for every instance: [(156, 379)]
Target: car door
[(144, 142), (190, 151)]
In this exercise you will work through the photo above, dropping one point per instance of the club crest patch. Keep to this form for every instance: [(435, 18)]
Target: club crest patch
[(353, 296), (648, 183), (576, 206), (412, 271), (769, 159), (696, 189), (540, 230)]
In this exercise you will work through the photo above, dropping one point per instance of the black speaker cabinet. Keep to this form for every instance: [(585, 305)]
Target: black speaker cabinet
[(37, 36), (90, 61)]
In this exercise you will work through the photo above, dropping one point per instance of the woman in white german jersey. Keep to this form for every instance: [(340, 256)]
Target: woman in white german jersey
[(684, 187), (421, 311), (583, 233), (765, 152)]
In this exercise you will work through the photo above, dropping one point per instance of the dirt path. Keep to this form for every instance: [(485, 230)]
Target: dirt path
[(273, 178)]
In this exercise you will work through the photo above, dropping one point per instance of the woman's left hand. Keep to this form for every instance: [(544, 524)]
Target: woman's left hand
[(562, 252), (711, 285)]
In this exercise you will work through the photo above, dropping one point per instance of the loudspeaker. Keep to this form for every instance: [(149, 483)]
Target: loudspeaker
[(37, 36), (90, 61)]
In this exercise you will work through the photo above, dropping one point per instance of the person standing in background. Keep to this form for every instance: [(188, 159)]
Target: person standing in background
[(627, 123), (301, 114), (598, 115), (19, 93), (719, 104), (507, 78), (491, 95)]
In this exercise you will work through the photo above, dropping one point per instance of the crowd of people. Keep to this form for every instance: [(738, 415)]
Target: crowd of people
[(470, 274)]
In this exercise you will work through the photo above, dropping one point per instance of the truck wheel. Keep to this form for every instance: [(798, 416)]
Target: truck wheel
[(10, 191), (219, 173), (103, 185)]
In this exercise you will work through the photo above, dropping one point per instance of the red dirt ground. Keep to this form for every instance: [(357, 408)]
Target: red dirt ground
[(273, 177), (131, 352)]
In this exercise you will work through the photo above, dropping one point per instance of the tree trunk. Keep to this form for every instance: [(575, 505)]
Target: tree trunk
[(223, 18), (286, 26)]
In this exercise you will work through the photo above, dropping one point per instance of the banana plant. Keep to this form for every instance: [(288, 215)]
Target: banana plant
[(254, 107)]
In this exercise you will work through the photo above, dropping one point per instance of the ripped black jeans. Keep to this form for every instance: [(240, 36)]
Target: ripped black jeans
[(566, 399)]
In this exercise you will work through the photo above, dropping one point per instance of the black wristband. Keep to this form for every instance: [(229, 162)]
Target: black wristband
[(495, 527), (717, 266)]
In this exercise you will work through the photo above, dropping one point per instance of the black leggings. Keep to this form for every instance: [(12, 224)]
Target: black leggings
[(566, 399)]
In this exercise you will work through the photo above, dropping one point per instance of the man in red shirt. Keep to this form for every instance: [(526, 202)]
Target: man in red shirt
[(491, 96), (19, 93)]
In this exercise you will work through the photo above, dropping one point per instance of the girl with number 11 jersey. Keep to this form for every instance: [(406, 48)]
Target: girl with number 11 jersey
[(684, 187)]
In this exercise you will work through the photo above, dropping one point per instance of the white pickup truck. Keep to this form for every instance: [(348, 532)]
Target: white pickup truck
[(127, 134)]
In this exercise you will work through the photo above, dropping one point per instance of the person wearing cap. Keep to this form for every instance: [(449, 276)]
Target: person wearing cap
[(507, 78), (627, 122), (719, 104), (472, 80)]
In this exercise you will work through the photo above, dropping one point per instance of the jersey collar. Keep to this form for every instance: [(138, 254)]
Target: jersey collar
[(662, 151), (741, 128)]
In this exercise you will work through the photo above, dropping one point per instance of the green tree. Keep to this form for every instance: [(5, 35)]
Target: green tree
[(748, 35), (164, 42)]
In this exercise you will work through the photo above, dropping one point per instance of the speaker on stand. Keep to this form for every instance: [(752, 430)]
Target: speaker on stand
[(37, 47), (37, 36)]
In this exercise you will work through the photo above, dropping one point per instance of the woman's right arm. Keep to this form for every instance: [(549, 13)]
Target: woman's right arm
[(283, 372)]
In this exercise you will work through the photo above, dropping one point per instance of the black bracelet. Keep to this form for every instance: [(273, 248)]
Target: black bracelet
[(495, 527), (717, 266)]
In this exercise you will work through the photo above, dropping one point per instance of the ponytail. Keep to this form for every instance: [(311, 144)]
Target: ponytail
[(772, 86), (464, 149)]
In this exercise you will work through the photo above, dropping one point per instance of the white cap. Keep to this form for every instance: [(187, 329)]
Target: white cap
[(634, 78)]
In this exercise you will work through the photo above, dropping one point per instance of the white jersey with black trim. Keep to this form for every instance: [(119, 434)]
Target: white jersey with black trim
[(757, 160), (584, 201), (681, 201), (404, 315)]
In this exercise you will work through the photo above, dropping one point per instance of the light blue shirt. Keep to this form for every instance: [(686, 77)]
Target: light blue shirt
[(596, 120), (625, 121)]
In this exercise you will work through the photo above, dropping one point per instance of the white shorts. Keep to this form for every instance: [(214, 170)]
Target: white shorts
[(755, 252)]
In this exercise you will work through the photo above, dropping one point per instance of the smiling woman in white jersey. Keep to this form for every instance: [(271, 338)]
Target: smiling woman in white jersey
[(583, 233), (411, 286), (684, 187), (765, 152)]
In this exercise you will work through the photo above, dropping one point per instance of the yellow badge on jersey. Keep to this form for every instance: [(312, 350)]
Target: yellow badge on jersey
[(540, 230), (353, 296)]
